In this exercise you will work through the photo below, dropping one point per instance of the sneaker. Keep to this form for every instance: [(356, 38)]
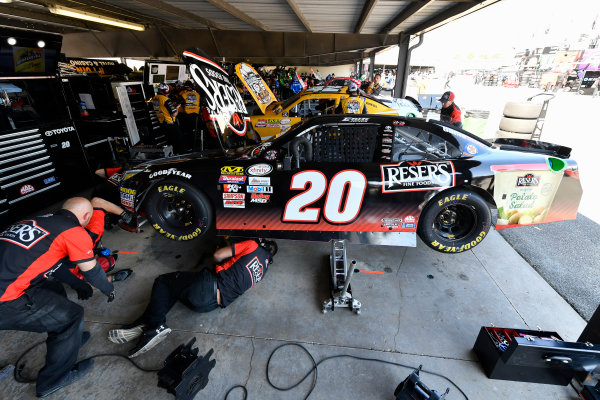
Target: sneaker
[(149, 339), (76, 373), (121, 275), (125, 335)]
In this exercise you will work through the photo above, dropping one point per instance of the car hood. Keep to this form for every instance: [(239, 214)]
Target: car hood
[(256, 85)]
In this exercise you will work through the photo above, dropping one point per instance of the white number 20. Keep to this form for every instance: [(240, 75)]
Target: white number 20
[(339, 209)]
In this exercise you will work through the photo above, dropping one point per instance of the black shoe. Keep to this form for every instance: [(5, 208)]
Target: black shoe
[(76, 373), (85, 336), (121, 275), (149, 339)]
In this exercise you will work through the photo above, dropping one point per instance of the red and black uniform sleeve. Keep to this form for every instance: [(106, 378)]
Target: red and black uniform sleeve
[(455, 116)]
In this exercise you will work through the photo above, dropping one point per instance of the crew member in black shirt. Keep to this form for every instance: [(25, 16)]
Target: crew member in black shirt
[(29, 250), (239, 267)]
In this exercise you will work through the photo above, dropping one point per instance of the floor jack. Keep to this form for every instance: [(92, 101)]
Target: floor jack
[(341, 292)]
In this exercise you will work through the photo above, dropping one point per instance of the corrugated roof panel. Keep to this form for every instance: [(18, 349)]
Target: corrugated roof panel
[(382, 14), (425, 14), (275, 15), (330, 15), (135, 8), (213, 13)]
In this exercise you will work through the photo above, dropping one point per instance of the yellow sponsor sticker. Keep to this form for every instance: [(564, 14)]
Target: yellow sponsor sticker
[(227, 170)]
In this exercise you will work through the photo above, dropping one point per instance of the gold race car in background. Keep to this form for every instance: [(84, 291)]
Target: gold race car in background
[(278, 116)]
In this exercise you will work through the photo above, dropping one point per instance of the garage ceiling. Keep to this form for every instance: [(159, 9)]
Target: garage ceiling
[(309, 32)]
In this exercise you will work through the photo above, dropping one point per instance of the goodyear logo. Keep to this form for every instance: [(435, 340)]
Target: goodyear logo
[(232, 170)]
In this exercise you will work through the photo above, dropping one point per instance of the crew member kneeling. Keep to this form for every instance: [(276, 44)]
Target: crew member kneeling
[(239, 267), (28, 302)]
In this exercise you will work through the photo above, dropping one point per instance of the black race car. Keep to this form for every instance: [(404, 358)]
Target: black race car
[(374, 179), (368, 179)]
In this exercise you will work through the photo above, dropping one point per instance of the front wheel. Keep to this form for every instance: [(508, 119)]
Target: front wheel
[(455, 221), (178, 210)]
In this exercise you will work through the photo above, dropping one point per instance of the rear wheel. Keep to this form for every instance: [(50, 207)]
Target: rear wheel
[(178, 210), (455, 221)]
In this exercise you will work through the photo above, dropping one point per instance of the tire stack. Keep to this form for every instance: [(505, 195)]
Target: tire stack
[(519, 120)]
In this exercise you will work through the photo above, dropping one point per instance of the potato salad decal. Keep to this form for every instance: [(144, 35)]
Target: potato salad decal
[(225, 105)]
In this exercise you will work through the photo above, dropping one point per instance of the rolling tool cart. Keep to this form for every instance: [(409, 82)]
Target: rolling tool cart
[(341, 292)]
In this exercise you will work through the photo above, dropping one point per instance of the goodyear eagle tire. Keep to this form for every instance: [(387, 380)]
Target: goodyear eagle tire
[(455, 221), (178, 210), (525, 110), (517, 125)]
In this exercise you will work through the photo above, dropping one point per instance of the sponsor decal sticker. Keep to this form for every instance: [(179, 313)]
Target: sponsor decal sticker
[(410, 218), (387, 128), (285, 121), (259, 181), (234, 196), (272, 125), (234, 204), (127, 196), (26, 189), (259, 189), (284, 114), (232, 179), (168, 172), (272, 121), (59, 131), (417, 175), (50, 180), (259, 169), (24, 234), (387, 140), (400, 123), (260, 198), (407, 225), (391, 222), (528, 180), (232, 187), (471, 149), (386, 151), (354, 119), (232, 170)]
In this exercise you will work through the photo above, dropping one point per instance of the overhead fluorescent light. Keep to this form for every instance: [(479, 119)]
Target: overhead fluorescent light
[(69, 12)]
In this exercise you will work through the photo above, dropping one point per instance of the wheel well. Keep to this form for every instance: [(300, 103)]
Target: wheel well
[(477, 190)]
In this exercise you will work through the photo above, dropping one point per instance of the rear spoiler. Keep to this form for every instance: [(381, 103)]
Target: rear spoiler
[(533, 146)]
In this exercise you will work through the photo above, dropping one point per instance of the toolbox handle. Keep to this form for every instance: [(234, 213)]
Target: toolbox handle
[(562, 359)]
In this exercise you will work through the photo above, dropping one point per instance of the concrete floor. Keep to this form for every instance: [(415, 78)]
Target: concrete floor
[(407, 317)]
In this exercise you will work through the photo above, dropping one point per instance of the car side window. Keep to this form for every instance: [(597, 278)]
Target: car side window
[(346, 143), (410, 144), (310, 107)]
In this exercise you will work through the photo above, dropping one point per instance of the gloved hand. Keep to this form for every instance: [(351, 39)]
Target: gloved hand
[(111, 296), (84, 291)]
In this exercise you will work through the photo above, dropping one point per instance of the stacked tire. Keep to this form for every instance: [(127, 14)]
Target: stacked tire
[(519, 120)]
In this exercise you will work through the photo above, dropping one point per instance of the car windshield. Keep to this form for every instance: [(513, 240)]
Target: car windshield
[(290, 101)]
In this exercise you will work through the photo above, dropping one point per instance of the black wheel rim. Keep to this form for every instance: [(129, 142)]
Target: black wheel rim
[(176, 211), (455, 222)]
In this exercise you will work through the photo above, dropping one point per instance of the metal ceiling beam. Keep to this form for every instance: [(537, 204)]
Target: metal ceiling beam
[(109, 10), (239, 14), (406, 13), (22, 24), (364, 15), (296, 9), (46, 18), (450, 14), (161, 5)]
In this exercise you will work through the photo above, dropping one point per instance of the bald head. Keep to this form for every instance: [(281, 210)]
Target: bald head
[(81, 207)]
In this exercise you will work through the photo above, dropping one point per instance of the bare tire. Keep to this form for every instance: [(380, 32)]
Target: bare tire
[(518, 125), (455, 221), (178, 210), (522, 110), (500, 134)]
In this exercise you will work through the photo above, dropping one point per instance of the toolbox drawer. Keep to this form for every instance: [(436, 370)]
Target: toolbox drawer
[(534, 356)]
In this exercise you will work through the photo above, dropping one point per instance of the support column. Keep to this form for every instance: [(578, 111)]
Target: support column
[(371, 65), (402, 69), (360, 66)]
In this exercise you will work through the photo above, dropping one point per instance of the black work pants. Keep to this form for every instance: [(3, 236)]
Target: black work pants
[(197, 290), (174, 137), (45, 308)]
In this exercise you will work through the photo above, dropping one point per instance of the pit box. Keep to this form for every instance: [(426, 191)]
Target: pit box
[(533, 356)]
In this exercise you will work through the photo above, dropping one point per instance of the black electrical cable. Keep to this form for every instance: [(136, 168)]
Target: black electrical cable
[(19, 368), (235, 387), (315, 368)]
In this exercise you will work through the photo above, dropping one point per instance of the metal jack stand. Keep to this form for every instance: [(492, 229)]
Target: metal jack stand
[(341, 292)]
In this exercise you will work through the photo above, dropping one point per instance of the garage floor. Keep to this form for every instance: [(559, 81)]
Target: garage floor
[(407, 317)]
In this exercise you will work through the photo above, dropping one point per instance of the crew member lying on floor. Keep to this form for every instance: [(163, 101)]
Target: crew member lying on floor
[(69, 273), (238, 268)]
